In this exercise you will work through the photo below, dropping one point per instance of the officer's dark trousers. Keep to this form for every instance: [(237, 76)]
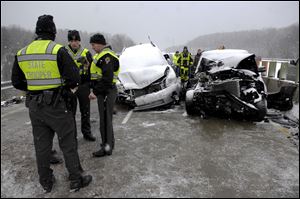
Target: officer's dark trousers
[(106, 107), (84, 104), (45, 121), (73, 107)]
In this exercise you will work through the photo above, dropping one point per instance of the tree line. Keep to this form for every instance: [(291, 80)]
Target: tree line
[(13, 38), (267, 43)]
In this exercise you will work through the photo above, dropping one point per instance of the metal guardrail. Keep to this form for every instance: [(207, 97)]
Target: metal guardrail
[(277, 59), (280, 68), (279, 73), (6, 85)]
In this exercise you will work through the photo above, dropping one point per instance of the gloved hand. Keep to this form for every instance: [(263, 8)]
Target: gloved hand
[(82, 60), (92, 96)]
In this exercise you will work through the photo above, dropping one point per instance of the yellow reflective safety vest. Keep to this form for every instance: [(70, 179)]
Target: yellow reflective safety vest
[(81, 52), (96, 72), (185, 63), (175, 59), (38, 61)]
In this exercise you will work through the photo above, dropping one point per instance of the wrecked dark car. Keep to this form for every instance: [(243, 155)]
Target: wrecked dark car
[(228, 84)]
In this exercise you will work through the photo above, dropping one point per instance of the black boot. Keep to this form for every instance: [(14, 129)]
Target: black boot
[(89, 137), (54, 159), (80, 170), (83, 181), (47, 184), (108, 149), (99, 153)]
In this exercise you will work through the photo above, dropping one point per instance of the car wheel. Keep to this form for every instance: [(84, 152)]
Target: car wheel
[(189, 105), (262, 110)]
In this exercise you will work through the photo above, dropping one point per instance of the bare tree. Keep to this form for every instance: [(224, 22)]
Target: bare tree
[(14, 38), (271, 42)]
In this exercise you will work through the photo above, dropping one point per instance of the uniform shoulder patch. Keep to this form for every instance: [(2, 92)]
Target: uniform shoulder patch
[(107, 60)]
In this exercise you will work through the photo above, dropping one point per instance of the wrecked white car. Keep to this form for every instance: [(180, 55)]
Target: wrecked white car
[(228, 84), (146, 78)]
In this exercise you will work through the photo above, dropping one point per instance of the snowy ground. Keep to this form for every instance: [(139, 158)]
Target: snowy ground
[(294, 113), (160, 154)]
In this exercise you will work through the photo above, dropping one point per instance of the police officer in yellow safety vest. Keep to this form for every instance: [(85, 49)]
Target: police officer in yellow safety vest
[(104, 73), (46, 71), (185, 62), (82, 57)]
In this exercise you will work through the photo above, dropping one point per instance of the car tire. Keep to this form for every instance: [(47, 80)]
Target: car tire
[(189, 105), (262, 110)]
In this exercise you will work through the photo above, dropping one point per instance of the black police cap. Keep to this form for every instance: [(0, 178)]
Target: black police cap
[(45, 24), (73, 35)]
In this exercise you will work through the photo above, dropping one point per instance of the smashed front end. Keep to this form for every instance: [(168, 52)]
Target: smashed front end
[(161, 92), (234, 91), (147, 83)]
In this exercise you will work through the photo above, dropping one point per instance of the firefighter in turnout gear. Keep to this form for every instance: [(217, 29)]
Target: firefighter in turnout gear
[(46, 71), (82, 57), (185, 62), (104, 73)]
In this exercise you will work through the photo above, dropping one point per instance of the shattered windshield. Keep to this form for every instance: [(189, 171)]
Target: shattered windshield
[(207, 64), (248, 63)]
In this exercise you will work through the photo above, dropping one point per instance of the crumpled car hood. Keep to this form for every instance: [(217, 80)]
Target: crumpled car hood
[(141, 65), (138, 79), (230, 57)]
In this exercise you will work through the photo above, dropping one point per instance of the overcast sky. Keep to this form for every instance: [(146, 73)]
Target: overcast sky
[(167, 23)]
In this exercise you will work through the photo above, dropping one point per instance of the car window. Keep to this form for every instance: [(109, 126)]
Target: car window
[(206, 64), (248, 63)]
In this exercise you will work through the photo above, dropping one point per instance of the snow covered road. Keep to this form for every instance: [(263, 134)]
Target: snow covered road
[(159, 154)]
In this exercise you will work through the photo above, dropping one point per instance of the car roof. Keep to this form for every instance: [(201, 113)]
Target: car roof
[(230, 57)]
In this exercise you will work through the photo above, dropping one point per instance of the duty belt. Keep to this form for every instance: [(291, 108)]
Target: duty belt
[(46, 96)]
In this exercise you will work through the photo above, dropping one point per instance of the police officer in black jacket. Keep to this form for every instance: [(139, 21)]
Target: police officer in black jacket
[(46, 71), (104, 73), (82, 57)]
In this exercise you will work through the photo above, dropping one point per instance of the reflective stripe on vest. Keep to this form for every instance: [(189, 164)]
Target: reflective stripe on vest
[(44, 82), (81, 52), (184, 73), (36, 57), (96, 72), (38, 61)]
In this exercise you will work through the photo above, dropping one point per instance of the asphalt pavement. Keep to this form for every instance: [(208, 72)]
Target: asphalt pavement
[(160, 153)]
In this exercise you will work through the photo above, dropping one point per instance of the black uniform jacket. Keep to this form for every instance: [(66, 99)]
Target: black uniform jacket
[(108, 64)]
